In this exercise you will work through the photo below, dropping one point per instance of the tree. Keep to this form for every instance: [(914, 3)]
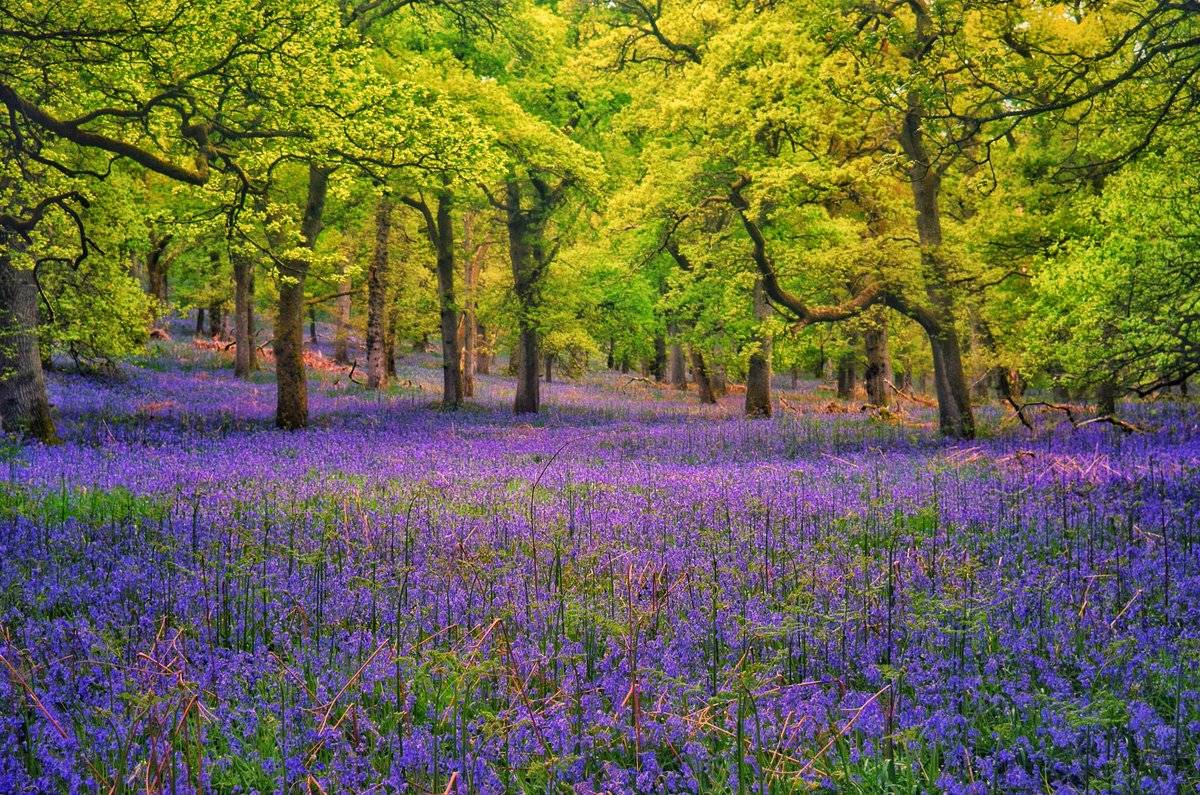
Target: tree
[(758, 375), (912, 90), (439, 229), (85, 85), (545, 173), (24, 405), (200, 113), (377, 289), (1118, 310)]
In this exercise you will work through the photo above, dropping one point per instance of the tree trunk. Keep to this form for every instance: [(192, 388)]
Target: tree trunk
[(675, 354), (341, 333), (200, 322), (469, 321), (443, 233), (483, 353), (24, 402), (847, 377), (377, 276), (156, 271), (820, 370), (291, 409), (389, 338), (216, 312), (1008, 383), (955, 418), (312, 325), (758, 373), (700, 374), (1106, 398), (526, 277), (528, 397), (879, 363), (549, 362), (658, 366), (716, 375), (216, 321), (245, 359)]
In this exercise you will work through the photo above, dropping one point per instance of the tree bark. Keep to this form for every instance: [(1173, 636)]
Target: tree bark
[(700, 374), (1106, 398), (216, 321), (389, 337), (658, 366), (955, 418), (677, 363), (469, 321), (758, 373), (24, 402), (526, 270), (716, 373), (200, 322), (879, 363), (245, 359), (439, 228), (291, 407), (483, 352), (442, 232), (341, 333), (216, 312), (847, 376), (377, 278), (156, 270), (549, 362), (312, 325), (528, 397)]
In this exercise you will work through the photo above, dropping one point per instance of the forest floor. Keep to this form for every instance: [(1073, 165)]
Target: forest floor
[(625, 593)]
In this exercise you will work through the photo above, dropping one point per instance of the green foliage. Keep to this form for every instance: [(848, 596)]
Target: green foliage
[(1119, 304), (186, 134)]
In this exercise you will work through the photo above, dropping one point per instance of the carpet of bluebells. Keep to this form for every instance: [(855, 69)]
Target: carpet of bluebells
[(626, 593)]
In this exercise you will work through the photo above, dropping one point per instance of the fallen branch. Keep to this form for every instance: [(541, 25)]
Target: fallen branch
[(1070, 412), (909, 396)]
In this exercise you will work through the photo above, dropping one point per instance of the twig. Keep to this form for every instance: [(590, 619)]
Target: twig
[(845, 728), (37, 702)]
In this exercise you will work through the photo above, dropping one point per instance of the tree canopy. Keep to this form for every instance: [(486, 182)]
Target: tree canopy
[(984, 198)]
